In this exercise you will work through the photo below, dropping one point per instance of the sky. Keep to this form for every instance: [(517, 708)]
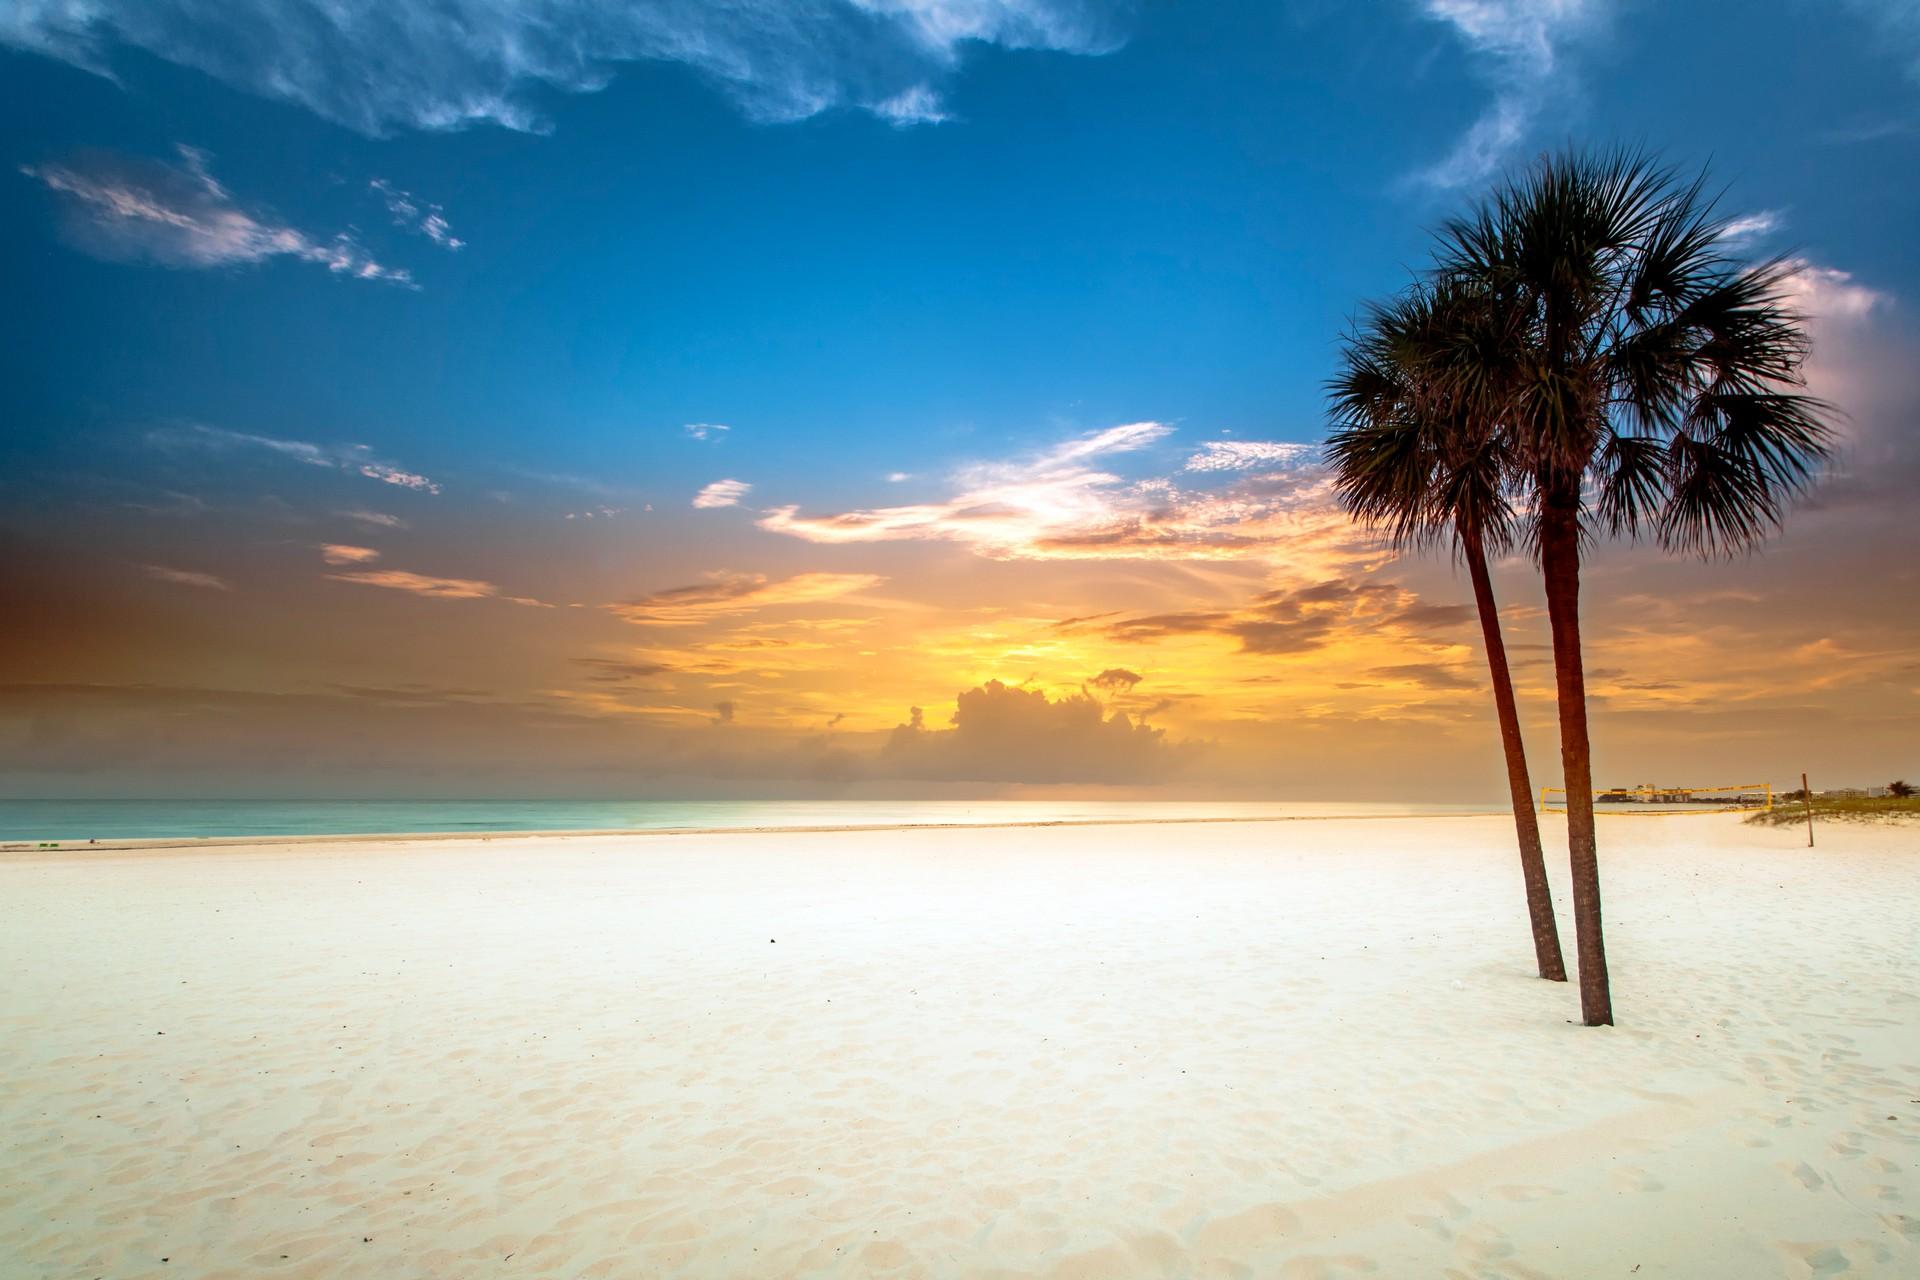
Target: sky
[(853, 397)]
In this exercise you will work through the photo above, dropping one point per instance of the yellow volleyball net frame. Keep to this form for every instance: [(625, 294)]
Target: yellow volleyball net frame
[(1653, 801)]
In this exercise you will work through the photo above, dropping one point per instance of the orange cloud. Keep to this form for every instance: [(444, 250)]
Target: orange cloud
[(341, 553)]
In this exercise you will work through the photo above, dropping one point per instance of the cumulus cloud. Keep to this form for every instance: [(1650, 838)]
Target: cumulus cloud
[(375, 66), (186, 578), (1245, 455), (1064, 505), (356, 459), (339, 553), (727, 594), (721, 493), (1518, 46), (1826, 293), (414, 214), (1002, 733), (130, 209), (707, 430)]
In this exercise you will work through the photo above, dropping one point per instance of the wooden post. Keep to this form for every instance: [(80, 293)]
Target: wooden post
[(1806, 797)]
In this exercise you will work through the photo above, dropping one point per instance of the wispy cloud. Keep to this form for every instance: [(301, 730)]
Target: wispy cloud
[(726, 594), (422, 216), (1897, 23), (919, 104), (1245, 455), (444, 66), (1293, 620), (721, 493), (707, 430), (1752, 226), (378, 519), (186, 577), (131, 209), (434, 588), (357, 459), (1518, 47), (339, 553)]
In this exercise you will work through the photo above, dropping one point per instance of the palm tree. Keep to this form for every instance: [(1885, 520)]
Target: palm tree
[(1648, 383), (1409, 458)]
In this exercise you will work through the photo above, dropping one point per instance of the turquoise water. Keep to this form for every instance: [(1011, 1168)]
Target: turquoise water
[(82, 820)]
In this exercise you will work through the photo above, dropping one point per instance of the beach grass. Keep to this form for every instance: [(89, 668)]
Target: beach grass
[(1841, 809)]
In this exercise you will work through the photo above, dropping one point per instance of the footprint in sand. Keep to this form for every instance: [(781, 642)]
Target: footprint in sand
[(1633, 1178), (1818, 1259), (1805, 1174)]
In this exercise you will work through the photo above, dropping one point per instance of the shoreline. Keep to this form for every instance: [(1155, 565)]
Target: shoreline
[(156, 843)]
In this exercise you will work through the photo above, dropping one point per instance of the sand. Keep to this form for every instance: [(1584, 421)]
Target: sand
[(1294, 1050)]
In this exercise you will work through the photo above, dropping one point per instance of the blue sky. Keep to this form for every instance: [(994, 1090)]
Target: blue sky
[(869, 240)]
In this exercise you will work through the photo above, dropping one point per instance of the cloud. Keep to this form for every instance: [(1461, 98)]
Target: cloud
[(721, 493), (378, 519), (1005, 734), (1898, 26), (1428, 675), (421, 584), (1826, 293), (1244, 455), (355, 458), (130, 209), (186, 578), (1288, 620), (1060, 505), (917, 105), (616, 671), (1517, 46), (727, 594), (1004, 509), (707, 430), (338, 553), (378, 67), (723, 711), (1752, 226), (1116, 680), (422, 216)]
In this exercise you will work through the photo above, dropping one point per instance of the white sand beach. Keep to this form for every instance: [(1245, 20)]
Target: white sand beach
[(1293, 1049)]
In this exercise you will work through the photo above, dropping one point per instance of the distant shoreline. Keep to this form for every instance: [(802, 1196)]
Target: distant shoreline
[(156, 843)]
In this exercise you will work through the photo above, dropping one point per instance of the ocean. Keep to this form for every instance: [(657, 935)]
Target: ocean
[(71, 821)]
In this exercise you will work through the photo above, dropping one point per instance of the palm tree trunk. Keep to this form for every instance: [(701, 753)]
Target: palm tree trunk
[(1560, 564), (1526, 823)]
